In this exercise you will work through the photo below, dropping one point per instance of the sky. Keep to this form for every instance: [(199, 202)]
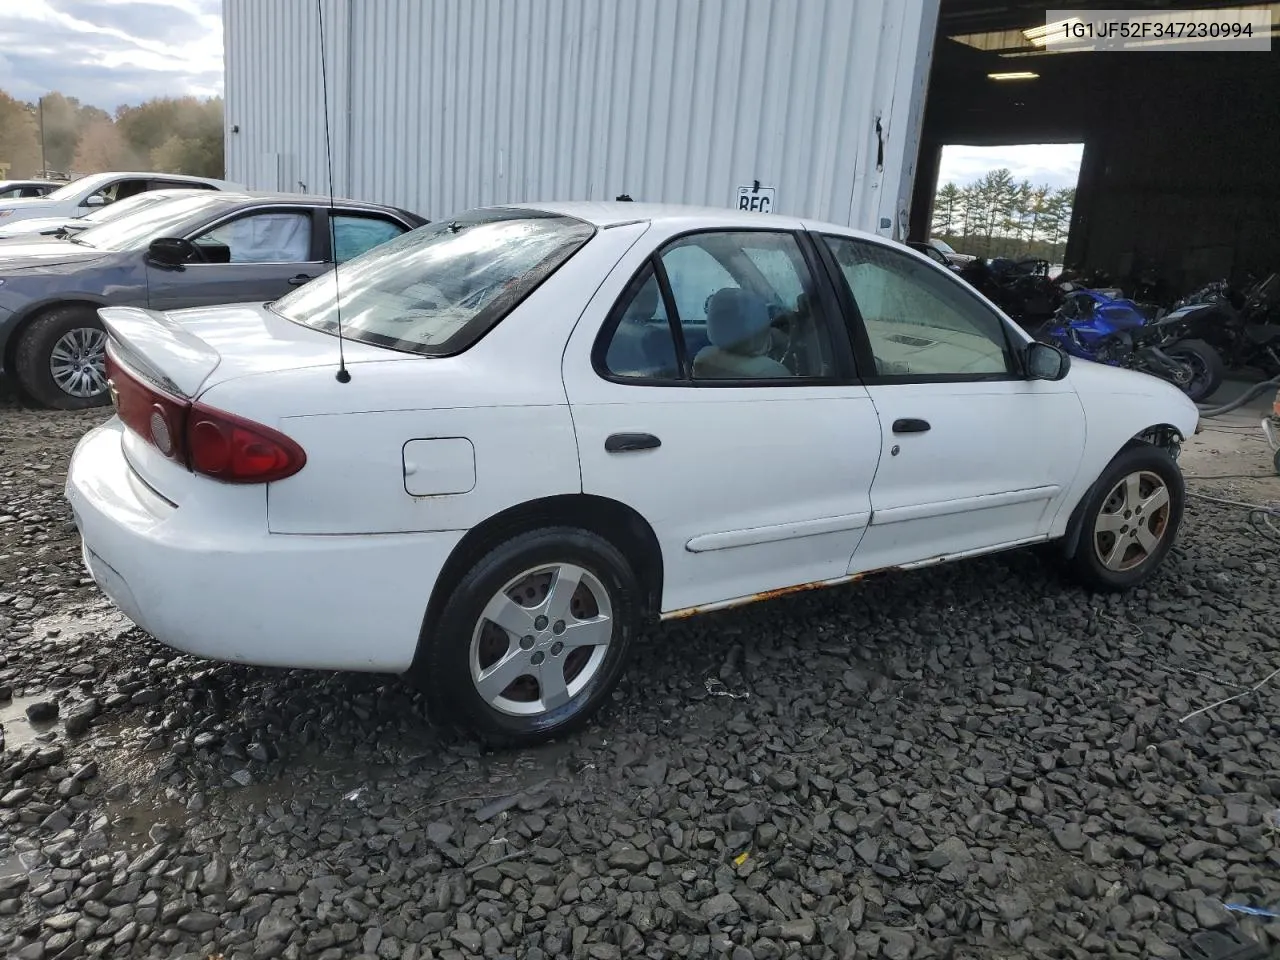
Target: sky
[(111, 52), (1055, 164)]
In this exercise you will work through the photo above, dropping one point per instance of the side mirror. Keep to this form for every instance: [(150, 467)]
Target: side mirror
[(172, 251), (95, 200), (1044, 361)]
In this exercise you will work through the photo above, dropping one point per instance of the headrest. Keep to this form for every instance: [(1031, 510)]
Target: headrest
[(738, 321), (645, 303)]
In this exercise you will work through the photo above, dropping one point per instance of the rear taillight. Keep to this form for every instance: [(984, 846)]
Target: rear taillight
[(152, 414), (210, 442), (234, 450)]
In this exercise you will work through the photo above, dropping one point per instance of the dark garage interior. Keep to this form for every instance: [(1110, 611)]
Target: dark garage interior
[(1178, 176)]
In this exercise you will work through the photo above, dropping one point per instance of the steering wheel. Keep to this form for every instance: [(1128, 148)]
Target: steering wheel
[(786, 323)]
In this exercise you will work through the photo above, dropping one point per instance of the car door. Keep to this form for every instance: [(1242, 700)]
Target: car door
[(252, 255), (749, 448), (975, 455)]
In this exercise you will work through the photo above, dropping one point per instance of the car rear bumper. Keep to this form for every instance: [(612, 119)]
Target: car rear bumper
[(209, 586)]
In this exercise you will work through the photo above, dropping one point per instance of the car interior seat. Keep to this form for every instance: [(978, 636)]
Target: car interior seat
[(740, 331), (642, 345)]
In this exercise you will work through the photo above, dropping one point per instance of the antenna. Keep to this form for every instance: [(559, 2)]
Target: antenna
[(343, 375)]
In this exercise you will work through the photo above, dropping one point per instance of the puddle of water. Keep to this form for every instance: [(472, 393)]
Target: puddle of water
[(131, 821), (100, 619), (18, 730), (17, 862)]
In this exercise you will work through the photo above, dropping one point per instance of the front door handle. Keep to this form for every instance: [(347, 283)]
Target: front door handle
[(299, 280), (626, 442), (910, 425)]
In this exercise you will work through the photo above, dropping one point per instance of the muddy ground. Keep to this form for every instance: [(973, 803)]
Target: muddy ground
[(971, 761)]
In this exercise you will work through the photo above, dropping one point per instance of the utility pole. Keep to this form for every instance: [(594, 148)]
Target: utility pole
[(38, 112), (44, 166)]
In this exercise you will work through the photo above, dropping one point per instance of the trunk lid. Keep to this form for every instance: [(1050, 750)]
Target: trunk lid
[(188, 351)]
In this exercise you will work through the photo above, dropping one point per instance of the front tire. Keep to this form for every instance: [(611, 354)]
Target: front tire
[(1205, 364), (533, 639), (1130, 520), (61, 359)]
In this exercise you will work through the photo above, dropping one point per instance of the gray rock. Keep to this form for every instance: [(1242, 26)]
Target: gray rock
[(439, 833), (1013, 905), (1070, 837), (721, 905), (1211, 914), (42, 711), (896, 944), (197, 921), (803, 931), (467, 940), (78, 719), (629, 858)]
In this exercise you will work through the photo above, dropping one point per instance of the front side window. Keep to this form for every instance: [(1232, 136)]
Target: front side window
[(745, 307), (355, 233), (438, 289), (920, 323), (119, 190), (275, 236)]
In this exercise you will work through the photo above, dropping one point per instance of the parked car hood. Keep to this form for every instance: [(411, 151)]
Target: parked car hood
[(33, 226), (23, 203), (20, 253)]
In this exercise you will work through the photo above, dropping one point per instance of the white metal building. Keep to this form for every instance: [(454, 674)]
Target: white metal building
[(805, 107)]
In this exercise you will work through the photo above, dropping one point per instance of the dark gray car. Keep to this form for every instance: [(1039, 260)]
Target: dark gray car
[(186, 252)]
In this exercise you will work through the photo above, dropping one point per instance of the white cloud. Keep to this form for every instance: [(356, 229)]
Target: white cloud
[(1055, 164), (109, 52)]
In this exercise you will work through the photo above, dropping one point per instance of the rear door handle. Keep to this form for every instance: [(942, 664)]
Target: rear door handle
[(910, 425), (299, 280), (626, 442)]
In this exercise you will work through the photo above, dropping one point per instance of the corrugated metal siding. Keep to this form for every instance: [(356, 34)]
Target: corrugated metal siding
[(440, 105)]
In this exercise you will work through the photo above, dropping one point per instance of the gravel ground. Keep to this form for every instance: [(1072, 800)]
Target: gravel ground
[(971, 761)]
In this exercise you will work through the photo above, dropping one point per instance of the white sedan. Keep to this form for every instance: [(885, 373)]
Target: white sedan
[(97, 190), (552, 425)]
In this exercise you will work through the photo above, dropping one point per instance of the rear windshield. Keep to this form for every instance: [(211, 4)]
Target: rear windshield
[(439, 288)]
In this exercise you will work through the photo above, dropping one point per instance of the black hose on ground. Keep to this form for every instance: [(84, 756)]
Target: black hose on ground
[(1253, 392)]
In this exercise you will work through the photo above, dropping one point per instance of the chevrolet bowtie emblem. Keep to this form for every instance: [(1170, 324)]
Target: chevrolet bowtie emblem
[(115, 394)]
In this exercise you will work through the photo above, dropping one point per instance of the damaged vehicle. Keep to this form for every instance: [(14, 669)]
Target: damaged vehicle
[(488, 452)]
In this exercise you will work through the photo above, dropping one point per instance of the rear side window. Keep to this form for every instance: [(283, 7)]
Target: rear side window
[(354, 234), (438, 289)]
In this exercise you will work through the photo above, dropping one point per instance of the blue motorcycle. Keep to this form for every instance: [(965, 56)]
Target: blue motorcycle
[(1094, 325)]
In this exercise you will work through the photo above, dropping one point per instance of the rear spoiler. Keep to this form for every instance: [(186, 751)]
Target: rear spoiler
[(154, 345)]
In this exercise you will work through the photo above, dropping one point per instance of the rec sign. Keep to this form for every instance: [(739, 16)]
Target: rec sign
[(756, 198)]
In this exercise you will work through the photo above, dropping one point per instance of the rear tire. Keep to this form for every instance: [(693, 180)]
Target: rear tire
[(73, 340), (555, 658), (1207, 368), (1130, 519)]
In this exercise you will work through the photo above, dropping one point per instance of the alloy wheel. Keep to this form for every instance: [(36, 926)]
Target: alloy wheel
[(541, 639), (1133, 521), (78, 362)]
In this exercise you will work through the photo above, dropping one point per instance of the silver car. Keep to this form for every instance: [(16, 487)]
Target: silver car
[(190, 251)]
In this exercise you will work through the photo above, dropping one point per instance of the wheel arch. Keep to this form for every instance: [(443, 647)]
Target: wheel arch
[(1166, 436), (610, 519)]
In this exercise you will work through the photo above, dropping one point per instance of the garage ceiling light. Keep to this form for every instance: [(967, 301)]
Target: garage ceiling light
[(1014, 75), (1039, 36)]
